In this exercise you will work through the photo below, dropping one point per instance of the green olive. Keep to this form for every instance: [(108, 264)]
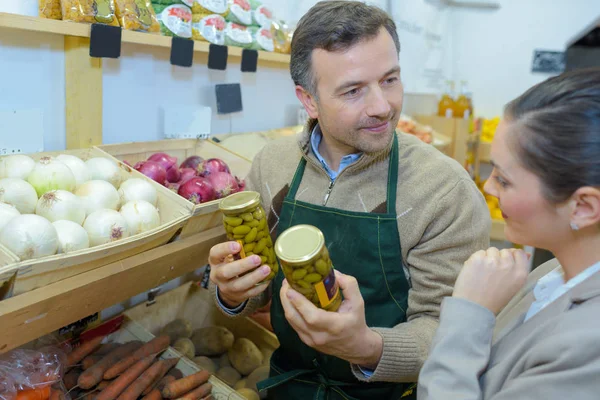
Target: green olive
[(262, 224), (299, 274), (264, 260), (242, 230), (248, 254), (261, 245), (304, 284), (254, 223), (258, 214), (247, 217), (238, 236), (261, 234), (251, 236), (249, 247), (322, 267), (313, 278), (233, 221)]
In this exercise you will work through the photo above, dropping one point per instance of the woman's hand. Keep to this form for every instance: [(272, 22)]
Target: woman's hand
[(491, 278)]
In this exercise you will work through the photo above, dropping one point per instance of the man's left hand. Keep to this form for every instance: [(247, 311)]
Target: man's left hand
[(344, 333)]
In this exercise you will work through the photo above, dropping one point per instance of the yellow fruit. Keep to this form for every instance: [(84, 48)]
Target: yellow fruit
[(497, 214)]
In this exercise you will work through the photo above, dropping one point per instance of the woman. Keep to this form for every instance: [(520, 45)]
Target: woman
[(546, 344)]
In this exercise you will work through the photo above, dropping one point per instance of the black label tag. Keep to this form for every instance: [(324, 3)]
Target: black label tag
[(229, 98), (249, 60), (78, 326), (105, 41), (217, 57), (182, 52)]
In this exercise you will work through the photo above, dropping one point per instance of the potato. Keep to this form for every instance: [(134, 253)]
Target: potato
[(245, 356), (241, 384), (248, 394), (228, 375), (206, 363), (185, 347), (258, 375), (224, 361), (212, 340), (180, 328)]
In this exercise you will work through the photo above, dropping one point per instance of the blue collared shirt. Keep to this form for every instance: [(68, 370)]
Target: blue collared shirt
[(315, 141)]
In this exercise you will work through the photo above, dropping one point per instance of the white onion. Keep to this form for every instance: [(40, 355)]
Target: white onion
[(105, 226), (71, 237), (141, 216), (51, 174), (77, 167), (137, 189), (30, 236), (104, 169), (16, 166), (60, 204), (7, 213), (98, 195), (18, 193)]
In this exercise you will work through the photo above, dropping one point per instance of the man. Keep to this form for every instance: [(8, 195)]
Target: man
[(399, 218)]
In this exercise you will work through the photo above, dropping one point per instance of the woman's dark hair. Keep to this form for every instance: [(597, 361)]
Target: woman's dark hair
[(558, 132)]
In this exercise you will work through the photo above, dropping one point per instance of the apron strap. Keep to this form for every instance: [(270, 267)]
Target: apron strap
[(392, 177), (297, 178)]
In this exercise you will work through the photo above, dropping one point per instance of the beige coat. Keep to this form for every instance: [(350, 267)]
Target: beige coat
[(554, 355)]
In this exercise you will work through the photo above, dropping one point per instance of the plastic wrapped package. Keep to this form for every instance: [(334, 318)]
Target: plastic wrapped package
[(50, 9), (91, 11), (207, 7), (240, 12), (282, 37), (262, 16), (174, 20), (262, 38), (209, 28), (137, 15), (238, 35)]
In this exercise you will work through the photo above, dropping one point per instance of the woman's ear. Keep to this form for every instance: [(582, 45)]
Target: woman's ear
[(586, 211)]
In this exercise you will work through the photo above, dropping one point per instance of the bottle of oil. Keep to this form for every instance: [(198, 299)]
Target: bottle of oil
[(446, 104), (462, 106)]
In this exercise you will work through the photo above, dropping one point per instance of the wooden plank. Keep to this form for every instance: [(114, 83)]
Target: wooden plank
[(83, 94), (485, 152), (67, 28), (28, 316)]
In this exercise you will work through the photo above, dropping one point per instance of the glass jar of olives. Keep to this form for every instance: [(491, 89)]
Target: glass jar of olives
[(245, 222), (307, 267)]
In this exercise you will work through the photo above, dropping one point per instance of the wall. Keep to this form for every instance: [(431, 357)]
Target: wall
[(493, 50)]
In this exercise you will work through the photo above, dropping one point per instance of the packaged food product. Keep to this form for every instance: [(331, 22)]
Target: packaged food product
[(137, 15), (238, 35), (254, 4), (240, 12), (50, 9), (282, 37), (307, 267), (220, 7), (174, 20), (262, 16), (210, 28), (91, 11), (262, 39), (245, 221)]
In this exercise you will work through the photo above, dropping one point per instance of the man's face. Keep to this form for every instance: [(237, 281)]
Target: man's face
[(359, 94)]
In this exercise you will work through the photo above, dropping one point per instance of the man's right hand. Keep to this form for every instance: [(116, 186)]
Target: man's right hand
[(237, 280)]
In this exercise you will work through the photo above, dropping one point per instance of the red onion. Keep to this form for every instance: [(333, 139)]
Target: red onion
[(191, 162), (197, 190), (163, 159), (224, 184), (186, 175), (173, 174), (173, 186), (152, 170), (212, 165)]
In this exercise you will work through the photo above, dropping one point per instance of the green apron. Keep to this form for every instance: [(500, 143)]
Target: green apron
[(366, 246)]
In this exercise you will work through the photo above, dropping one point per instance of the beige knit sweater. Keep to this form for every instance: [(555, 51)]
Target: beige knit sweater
[(442, 220)]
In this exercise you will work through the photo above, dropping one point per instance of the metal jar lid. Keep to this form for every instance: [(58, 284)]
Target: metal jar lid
[(298, 244), (240, 202)]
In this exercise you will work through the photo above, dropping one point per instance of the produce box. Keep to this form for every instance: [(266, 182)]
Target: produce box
[(204, 215), (22, 276), (196, 305)]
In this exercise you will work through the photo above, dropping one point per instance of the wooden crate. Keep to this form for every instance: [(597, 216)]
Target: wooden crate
[(18, 277), (206, 215), (196, 304)]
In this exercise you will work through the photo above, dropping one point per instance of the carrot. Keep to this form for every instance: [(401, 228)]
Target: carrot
[(34, 394), (155, 346), (106, 348), (57, 395), (70, 378), (89, 361), (155, 393), (144, 381), (125, 379), (198, 393), (103, 385), (85, 349), (182, 386), (93, 376), (166, 365), (175, 373)]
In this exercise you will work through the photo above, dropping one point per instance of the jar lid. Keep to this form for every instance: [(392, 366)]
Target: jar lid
[(299, 243), (240, 201)]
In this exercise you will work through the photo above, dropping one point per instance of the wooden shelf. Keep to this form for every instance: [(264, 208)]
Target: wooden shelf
[(484, 151), (497, 231), (31, 315), (67, 28)]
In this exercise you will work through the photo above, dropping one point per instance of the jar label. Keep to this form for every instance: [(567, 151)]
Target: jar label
[(328, 289)]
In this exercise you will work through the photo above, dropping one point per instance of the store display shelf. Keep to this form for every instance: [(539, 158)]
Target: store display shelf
[(67, 28), (484, 151), (33, 314), (497, 230)]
